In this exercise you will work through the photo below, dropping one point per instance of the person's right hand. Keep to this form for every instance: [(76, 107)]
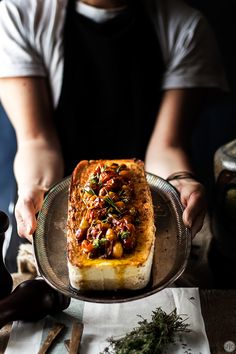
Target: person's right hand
[(28, 205)]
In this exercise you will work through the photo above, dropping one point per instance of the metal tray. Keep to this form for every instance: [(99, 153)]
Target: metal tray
[(172, 248)]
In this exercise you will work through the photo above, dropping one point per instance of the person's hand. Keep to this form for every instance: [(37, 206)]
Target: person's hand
[(193, 198), (29, 203)]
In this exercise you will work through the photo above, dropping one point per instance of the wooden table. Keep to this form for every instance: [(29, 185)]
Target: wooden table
[(219, 313)]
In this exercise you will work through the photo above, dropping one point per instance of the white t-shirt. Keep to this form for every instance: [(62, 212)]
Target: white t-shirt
[(31, 43)]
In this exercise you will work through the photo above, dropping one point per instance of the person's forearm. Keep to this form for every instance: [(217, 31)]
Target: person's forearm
[(167, 153), (171, 137), (37, 165), (167, 160), (27, 101)]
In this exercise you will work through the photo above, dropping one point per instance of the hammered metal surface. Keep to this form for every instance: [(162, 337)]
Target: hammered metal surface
[(173, 243)]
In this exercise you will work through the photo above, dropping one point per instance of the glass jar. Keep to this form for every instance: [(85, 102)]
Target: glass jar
[(224, 215)]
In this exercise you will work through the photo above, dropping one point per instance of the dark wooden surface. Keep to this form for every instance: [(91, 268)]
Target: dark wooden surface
[(219, 313)]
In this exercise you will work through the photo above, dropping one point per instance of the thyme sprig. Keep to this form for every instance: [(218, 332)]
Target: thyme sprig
[(88, 190), (149, 337), (111, 203)]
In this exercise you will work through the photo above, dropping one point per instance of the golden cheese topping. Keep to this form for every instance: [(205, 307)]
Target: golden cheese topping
[(107, 227)]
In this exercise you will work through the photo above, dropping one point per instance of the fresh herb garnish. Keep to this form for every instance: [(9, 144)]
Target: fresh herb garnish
[(93, 180), (124, 234), (125, 200), (99, 242), (89, 190), (103, 169), (110, 202), (119, 168), (149, 337)]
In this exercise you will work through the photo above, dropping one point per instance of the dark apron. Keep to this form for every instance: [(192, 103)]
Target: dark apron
[(111, 87)]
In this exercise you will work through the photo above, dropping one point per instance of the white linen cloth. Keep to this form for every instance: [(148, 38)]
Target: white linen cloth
[(25, 338), (105, 320)]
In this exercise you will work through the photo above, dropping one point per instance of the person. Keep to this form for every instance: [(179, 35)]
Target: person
[(7, 154), (8, 188), (104, 79)]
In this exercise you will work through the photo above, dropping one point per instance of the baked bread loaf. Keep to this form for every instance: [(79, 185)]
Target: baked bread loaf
[(110, 226)]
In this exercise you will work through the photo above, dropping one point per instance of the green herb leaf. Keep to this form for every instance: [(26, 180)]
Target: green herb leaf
[(119, 168), (93, 180), (103, 168), (124, 234), (110, 202), (96, 243), (89, 190), (99, 242)]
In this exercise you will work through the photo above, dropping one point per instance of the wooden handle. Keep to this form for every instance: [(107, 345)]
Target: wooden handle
[(53, 333), (76, 335)]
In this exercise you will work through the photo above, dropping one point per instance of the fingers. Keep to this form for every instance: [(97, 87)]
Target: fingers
[(198, 223), (194, 213), (192, 196), (25, 218), (195, 205), (25, 212)]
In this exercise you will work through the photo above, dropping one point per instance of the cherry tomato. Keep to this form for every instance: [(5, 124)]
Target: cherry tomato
[(87, 246)]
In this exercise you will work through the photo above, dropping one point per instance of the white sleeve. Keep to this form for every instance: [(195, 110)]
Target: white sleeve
[(18, 57), (192, 58)]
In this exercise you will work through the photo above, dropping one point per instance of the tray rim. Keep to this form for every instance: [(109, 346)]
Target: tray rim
[(71, 292)]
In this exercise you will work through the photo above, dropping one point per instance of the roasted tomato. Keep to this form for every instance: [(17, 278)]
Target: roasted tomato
[(108, 230)]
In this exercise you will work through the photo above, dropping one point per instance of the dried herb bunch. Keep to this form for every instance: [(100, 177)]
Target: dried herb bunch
[(149, 337)]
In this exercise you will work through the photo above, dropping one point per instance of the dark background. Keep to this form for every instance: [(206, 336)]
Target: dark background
[(217, 122)]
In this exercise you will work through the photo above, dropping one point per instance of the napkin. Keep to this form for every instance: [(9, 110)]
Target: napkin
[(105, 320), (25, 338)]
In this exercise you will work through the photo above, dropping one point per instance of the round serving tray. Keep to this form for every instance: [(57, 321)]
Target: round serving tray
[(172, 246)]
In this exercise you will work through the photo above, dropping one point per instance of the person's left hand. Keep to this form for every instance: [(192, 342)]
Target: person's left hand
[(193, 199)]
